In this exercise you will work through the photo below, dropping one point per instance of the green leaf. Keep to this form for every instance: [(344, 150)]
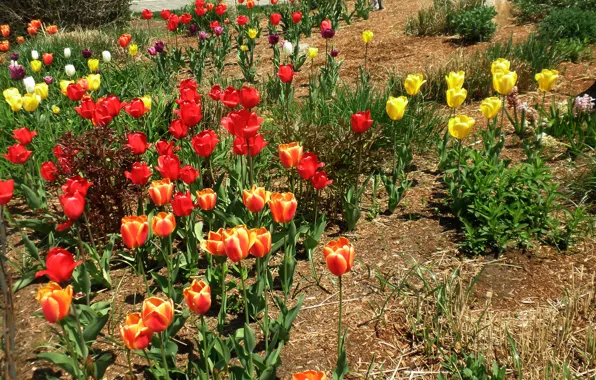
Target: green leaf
[(93, 329), (101, 364), (31, 196), (249, 339), (61, 360)]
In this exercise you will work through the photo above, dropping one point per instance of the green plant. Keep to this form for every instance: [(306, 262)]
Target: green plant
[(569, 23), (476, 24), (473, 368), (437, 19)]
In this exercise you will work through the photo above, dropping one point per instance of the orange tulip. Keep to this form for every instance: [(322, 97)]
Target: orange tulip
[(339, 256), (161, 191), (290, 154), (283, 207), (262, 244), (214, 243), (309, 375), (5, 30), (198, 297), (55, 301), (134, 333), (237, 242), (20, 39), (52, 29), (4, 46), (124, 40), (134, 231), (206, 199), (163, 224), (157, 314), (255, 198), (31, 30), (35, 24)]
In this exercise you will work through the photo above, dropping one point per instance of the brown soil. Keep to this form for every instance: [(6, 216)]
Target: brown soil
[(421, 231)]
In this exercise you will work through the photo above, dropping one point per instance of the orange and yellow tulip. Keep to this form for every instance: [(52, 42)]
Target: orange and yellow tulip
[(161, 191), (237, 242), (198, 297), (206, 199), (134, 231), (339, 256), (157, 313), (290, 154), (309, 375), (55, 301), (163, 224), (214, 244), (283, 207), (134, 333), (262, 243), (255, 198)]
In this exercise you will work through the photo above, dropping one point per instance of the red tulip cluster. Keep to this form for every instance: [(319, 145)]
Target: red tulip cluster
[(18, 153), (102, 112), (73, 200), (292, 155)]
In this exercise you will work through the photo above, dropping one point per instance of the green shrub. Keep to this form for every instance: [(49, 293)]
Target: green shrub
[(437, 20), (81, 13), (567, 24), (476, 24)]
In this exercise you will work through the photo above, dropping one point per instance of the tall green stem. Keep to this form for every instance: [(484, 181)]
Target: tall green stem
[(339, 321), (205, 356), (245, 270), (163, 355)]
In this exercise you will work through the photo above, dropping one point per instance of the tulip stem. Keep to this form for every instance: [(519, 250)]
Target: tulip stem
[(132, 374), (242, 271), (72, 352), (163, 355), (249, 161), (262, 269), (167, 256), (205, 357), (224, 299), (10, 370), (339, 321), (84, 349), (81, 256), (88, 225)]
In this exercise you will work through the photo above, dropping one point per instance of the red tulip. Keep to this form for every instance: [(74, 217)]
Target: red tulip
[(146, 14), (242, 123), (249, 97), (136, 108), (124, 40), (169, 166), (185, 18), (215, 93), (241, 20), (213, 24), (320, 181), (296, 17), (24, 135), (256, 144), (75, 92), (165, 14), (188, 174), (73, 205), (182, 204), (326, 24), (6, 191), (173, 23), (47, 58), (308, 165), (165, 148), (220, 9), (18, 154), (231, 97), (101, 115), (49, 171), (77, 184), (63, 226), (200, 11), (190, 113), (139, 174), (178, 129), (205, 142), (59, 265), (275, 18), (285, 73), (87, 108), (112, 104), (361, 121), (137, 142)]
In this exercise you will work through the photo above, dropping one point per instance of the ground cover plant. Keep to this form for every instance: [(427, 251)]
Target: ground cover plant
[(198, 194)]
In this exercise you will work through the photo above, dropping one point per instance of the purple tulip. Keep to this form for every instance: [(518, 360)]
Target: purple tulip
[(327, 33), (192, 29), (48, 79), (87, 53), (218, 31), (273, 39), (203, 35), (159, 46), (14, 56), (17, 72), (334, 53), (151, 50)]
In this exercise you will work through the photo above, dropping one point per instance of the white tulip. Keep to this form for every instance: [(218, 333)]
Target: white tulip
[(287, 48), (67, 53), (70, 70), (29, 83), (34, 54), (107, 57)]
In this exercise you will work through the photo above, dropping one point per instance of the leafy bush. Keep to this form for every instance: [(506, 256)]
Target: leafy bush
[(476, 24), (82, 13), (565, 24), (535, 10), (437, 20)]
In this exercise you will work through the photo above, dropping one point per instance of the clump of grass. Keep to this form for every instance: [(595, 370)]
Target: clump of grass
[(438, 19)]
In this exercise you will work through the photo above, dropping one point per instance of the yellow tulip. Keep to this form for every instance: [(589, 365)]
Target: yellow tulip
[(503, 83), (367, 36), (55, 110), (243, 47), (252, 33), (42, 90), (456, 97), (93, 81), (413, 83), (93, 65), (500, 64), (312, 52), (31, 102), (461, 126), (10, 92), (35, 65), (455, 80), (490, 107), (546, 79), (396, 107), (64, 85), (15, 102), (133, 49), (147, 101)]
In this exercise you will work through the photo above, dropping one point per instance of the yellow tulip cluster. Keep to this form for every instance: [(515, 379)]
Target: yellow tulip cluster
[(503, 80), (29, 102), (456, 94)]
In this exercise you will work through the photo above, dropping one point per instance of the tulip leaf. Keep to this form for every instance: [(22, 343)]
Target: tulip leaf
[(178, 322), (32, 198), (102, 362), (93, 329), (249, 339), (268, 374), (24, 281), (41, 226), (61, 360), (341, 367), (30, 246)]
